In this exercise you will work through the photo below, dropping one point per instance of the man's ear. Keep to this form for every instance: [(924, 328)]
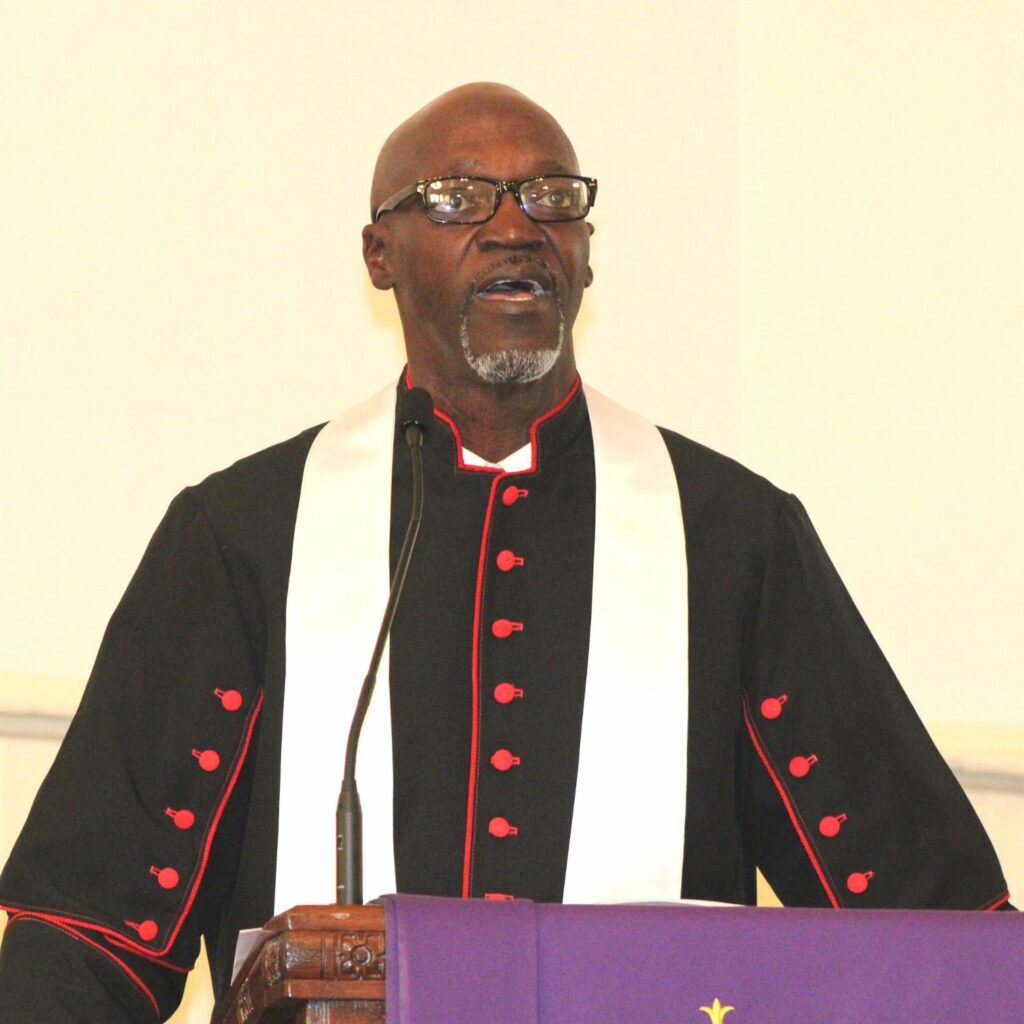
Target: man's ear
[(376, 258), (589, 279)]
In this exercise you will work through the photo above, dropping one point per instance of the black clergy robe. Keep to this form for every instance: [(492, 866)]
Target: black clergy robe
[(158, 821)]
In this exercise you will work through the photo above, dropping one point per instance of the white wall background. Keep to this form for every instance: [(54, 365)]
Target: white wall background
[(832, 293), (830, 290)]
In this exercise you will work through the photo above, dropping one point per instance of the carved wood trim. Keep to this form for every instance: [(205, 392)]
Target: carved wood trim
[(312, 964)]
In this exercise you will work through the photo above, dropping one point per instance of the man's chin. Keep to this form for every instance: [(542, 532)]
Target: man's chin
[(512, 366), (510, 363)]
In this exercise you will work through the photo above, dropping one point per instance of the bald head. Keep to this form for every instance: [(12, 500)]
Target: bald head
[(444, 137)]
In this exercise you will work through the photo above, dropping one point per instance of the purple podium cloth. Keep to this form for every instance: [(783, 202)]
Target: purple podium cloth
[(489, 962)]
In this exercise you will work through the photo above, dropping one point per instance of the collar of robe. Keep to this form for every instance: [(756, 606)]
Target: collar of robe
[(626, 839)]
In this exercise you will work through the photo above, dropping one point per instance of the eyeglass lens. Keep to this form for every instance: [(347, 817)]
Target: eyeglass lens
[(471, 200)]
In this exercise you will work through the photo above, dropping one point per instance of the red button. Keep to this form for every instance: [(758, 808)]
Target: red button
[(498, 896), (512, 494), (503, 760), (830, 825), (230, 699), (183, 819), (166, 878), (209, 760), (771, 707), (499, 828), (508, 560), (503, 628), (505, 693), (147, 929), (858, 881), (800, 766)]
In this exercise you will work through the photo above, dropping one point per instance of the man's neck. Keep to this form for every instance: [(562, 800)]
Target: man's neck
[(494, 420)]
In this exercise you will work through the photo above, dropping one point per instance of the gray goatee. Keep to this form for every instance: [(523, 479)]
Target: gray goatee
[(513, 365)]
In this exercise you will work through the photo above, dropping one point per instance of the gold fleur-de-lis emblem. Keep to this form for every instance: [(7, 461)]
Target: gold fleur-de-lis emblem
[(716, 1011)]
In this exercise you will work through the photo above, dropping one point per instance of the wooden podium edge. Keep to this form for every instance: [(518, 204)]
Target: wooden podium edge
[(311, 963)]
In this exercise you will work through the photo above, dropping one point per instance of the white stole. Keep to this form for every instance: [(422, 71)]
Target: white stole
[(629, 814)]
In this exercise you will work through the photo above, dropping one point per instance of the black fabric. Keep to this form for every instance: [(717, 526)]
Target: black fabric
[(50, 975), (206, 611)]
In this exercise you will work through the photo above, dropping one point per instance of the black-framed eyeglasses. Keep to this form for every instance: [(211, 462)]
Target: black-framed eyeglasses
[(550, 197)]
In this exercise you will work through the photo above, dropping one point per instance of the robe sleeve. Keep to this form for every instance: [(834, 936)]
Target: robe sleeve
[(848, 802), (104, 886)]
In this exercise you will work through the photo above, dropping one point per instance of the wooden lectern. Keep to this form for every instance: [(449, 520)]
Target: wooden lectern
[(313, 965)]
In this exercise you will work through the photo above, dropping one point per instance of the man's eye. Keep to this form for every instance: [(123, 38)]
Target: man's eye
[(560, 198), (453, 198)]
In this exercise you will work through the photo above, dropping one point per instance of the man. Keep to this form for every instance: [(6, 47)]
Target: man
[(591, 694)]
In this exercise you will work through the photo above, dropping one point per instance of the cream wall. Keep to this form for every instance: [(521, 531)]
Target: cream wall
[(832, 293)]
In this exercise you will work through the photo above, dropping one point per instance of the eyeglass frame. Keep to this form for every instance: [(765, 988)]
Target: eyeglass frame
[(393, 202)]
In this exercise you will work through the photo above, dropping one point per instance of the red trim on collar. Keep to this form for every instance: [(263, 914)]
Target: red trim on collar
[(790, 809), (445, 418), (553, 411), (543, 418), (79, 937)]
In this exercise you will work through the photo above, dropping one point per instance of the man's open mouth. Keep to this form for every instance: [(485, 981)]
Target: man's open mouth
[(520, 280), (513, 288)]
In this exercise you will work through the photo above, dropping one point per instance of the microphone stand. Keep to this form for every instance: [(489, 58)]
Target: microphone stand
[(349, 817)]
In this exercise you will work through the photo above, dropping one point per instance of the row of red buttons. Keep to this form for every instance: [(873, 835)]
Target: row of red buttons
[(504, 693), (184, 819), (799, 768)]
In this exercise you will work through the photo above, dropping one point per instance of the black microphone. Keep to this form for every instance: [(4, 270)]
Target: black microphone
[(415, 412)]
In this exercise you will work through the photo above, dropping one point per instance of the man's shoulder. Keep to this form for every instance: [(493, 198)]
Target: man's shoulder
[(284, 459), (731, 515), (260, 489), (712, 482)]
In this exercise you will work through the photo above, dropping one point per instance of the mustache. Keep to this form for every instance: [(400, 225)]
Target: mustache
[(512, 260)]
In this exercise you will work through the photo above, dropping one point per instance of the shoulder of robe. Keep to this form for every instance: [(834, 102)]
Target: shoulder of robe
[(707, 476), (256, 491), (730, 512)]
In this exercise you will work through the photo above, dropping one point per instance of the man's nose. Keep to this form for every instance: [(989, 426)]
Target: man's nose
[(509, 228)]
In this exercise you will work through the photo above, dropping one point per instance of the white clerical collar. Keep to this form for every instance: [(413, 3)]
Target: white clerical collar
[(517, 462)]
